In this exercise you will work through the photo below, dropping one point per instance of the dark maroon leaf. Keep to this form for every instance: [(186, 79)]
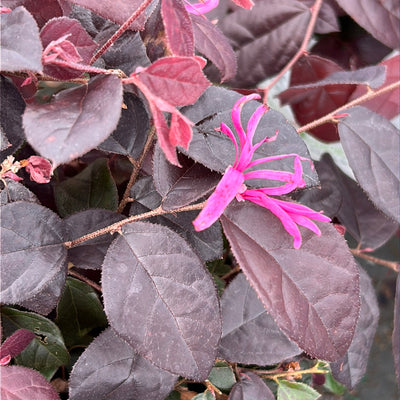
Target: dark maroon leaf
[(25, 383), (111, 369), (251, 387), (17, 342), (161, 299), (275, 28), (55, 29), (76, 121), (249, 333), (33, 255), (371, 144), (24, 54), (90, 254), (42, 10), (208, 243), (181, 186), (216, 151), (210, 42), (16, 191), (178, 27), (118, 11), (327, 18), (341, 197), (396, 333), (310, 104), (11, 110), (351, 368), (320, 318), (379, 18), (130, 135)]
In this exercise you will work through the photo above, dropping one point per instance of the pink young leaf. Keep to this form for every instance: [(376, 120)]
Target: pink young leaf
[(17, 342), (39, 169)]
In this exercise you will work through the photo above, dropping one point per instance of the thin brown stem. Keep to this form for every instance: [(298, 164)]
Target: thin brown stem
[(303, 48), (118, 225), (136, 169), (120, 31), (359, 100), (393, 265), (83, 278)]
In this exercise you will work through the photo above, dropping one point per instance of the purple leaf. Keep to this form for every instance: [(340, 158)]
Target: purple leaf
[(33, 254), (17, 342), (275, 28), (76, 121), (16, 191), (181, 186), (160, 298), (251, 387), (327, 20), (210, 41), (249, 333), (24, 54), (110, 368), (351, 368), (371, 144), (90, 254), (216, 151), (396, 333), (20, 383), (321, 319), (381, 19)]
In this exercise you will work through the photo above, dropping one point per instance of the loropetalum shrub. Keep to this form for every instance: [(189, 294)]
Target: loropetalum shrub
[(165, 230)]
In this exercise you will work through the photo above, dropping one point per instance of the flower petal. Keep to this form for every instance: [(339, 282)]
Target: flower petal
[(202, 7)]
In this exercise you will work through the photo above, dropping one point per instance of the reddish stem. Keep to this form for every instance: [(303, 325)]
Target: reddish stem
[(393, 265)]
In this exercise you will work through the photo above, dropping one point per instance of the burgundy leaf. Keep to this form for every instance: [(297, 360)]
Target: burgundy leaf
[(380, 18), (251, 387), (160, 298), (388, 103), (177, 80), (309, 105), (210, 41), (374, 161), (20, 383), (249, 333), (274, 28), (20, 55), (76, 34), (181, 186), (327, 20), (178, 27), (396, 332), (321, 319), (33, 254), (110, 368), (17, 342), (76, 121), (351, 368)]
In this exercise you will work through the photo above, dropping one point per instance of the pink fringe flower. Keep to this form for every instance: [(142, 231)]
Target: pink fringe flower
[(232, 183), (201, 7)]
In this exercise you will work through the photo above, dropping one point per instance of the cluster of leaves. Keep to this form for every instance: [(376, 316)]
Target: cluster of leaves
[(107, 290)]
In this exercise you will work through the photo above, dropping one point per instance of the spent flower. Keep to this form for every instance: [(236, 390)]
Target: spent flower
[(232, 185)]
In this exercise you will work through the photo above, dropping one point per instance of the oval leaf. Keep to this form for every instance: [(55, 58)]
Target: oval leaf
[(371, 144), (296, 391), (249, 333), (33, 254), (76, 121), (161, 299), (321, 319), (251, 387)]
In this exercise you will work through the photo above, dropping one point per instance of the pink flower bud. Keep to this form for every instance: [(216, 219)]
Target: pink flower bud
[(39, 169)]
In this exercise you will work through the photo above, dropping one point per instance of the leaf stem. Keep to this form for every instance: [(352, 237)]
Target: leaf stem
[(136, 169), (83, 278), (331, 116), (303, 48), (393, 265), (120, 31), (118, 225)]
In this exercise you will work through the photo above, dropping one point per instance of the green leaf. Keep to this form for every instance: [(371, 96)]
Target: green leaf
[(296, 391), (174, 395), (94, 187), (78, 312), (222, 376), (334, 386), (207, 395), (47, 352)]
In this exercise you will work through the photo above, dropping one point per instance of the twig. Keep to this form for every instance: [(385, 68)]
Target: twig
[(303, 48), (83, 278), (118, 225), (120, 31), (136, 168), (390, 264)]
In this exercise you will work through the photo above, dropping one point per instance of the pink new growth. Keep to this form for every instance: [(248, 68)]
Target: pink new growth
[(232, 183)]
